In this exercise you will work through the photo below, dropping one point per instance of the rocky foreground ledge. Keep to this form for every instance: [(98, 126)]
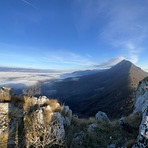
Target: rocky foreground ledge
[(141, 106), (42, 122)]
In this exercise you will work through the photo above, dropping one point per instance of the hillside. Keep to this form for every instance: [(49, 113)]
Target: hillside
[(111, 91), (42, 122)]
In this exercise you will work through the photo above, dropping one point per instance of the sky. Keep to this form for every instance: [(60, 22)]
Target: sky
[(73, 34)]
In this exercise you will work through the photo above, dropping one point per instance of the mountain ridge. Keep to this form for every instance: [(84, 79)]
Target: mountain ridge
[(111, 91)]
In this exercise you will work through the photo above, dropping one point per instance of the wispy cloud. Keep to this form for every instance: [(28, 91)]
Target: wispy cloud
[(47, 59), (110, 63), (127, 26), (28, 3), (70, 59), (122, 24)]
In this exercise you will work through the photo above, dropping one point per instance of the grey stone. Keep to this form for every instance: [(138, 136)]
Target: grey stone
[(92, 127), (102, 117), (141, 106), (112, 146)]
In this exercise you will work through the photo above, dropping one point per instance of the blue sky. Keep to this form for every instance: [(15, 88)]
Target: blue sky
[(73, 34)]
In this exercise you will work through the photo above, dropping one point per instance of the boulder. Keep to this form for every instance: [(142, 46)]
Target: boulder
[(78, 136), (59, 126), (34, 100), (42, 100), (141, 106), (92, 127), (102, 117), (40, 116), (112, 146), (68, 114), (48, 108)]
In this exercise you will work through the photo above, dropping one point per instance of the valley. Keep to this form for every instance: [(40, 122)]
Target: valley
[(111, 91)]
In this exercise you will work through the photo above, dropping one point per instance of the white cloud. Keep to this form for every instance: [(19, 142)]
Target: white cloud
[(26, 78), (110, 63), (69, 58), (127, 26), (44, 58)]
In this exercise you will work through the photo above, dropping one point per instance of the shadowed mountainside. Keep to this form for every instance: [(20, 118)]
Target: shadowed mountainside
[(111, 91)]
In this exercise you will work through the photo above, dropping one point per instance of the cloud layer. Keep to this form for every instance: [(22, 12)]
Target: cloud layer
[(25, 78)]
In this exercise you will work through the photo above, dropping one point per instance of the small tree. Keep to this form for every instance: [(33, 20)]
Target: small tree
[(41, 135), (32, 90)]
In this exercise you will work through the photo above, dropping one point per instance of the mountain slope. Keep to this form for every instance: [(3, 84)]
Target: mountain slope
[(111, 91)]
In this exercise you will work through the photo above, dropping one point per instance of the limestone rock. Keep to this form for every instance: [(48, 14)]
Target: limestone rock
[(34, 100), (112, 146), (59, 128), (66, 109), (42, 99), (48, 108), (9, 108), (5, 94), (4, 122), (141, 100), (68, 114), (102, 117), (11, 114), (39, 116), (92, 127), (141, 106), (78, 136)]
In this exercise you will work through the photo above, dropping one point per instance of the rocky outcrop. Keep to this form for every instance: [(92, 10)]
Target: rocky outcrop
[(47, 123), (141, 106), (5, 94), (92, 127), (4, 116), (102, 117), (40, 116), (7, 110)]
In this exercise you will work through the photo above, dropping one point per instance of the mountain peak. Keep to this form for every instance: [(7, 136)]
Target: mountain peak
[(125, 62), (124, 65)]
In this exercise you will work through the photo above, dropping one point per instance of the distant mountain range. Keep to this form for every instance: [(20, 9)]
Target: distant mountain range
[(13, 69), (111, 91), (81, 73)]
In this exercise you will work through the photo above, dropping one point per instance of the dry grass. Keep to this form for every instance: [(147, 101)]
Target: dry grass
[(61, 110), (133, 120), (4, 97), (47, 116), (3, 139), (83, 121), (27, 103), (53, 104), (105, 133), (38, 135), (130, 143)]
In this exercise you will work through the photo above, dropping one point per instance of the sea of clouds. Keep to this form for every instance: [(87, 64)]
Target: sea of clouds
[(25, 78)]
